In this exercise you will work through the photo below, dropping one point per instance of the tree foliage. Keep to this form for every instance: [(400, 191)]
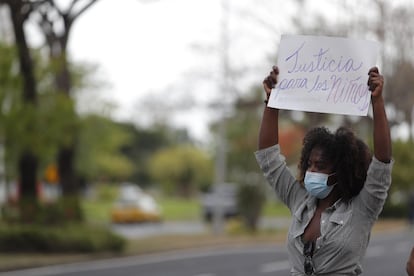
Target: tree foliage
[(181, 169), (52, 117), (99, 155), (242, 131), (10, 86), (397, 204), (55, 24), (143, 143), (403, 174), (23, 125), (250, 200), (28, 161), (50, 16)]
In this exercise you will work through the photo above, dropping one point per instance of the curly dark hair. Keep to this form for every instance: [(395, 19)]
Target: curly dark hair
[(349, 155)]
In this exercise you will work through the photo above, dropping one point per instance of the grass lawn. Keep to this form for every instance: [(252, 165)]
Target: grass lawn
[(275, 209), (97, 209), (180, 209)]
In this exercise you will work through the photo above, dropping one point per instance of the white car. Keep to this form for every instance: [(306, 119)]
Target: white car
[(223, 196)]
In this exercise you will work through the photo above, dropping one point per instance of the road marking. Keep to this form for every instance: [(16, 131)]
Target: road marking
[(206, 274), (274, 266)]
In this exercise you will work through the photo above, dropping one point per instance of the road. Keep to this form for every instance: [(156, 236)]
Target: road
[(386, 255), (134, 231)]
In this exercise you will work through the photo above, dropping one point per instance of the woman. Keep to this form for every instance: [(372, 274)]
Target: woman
[(340, 190), (410, 263)]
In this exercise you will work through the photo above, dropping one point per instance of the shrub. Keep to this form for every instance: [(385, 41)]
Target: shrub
[(394, 210), (250, 199), (69, 238), (29, 211)]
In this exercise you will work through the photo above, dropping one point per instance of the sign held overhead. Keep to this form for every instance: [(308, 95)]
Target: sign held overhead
[(324, 74)]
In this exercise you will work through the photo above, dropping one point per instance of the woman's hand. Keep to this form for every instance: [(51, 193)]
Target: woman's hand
[(269, 128), (410, 264), (375, 82), (382, 137), (271, 80)]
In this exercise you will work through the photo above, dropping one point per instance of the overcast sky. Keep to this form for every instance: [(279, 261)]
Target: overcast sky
[(162, 48), (169, 50)]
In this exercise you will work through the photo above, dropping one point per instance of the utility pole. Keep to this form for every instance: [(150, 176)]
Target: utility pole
[(224, 90)]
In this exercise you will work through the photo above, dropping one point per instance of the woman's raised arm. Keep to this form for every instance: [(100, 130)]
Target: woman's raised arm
[(268, 135), (382, 137)]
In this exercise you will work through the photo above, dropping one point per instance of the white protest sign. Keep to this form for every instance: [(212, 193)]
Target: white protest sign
[(324, 74)]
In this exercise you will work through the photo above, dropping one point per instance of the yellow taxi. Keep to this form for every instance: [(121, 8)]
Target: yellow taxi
[(135, 206)]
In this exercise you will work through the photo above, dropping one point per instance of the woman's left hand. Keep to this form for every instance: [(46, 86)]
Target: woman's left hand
[(375, 82)]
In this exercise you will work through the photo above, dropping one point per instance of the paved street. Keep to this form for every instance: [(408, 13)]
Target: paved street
[(184, 227), (387, 255)]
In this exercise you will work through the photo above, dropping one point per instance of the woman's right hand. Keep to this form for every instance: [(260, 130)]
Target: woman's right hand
[(269, 127), (271, 80)]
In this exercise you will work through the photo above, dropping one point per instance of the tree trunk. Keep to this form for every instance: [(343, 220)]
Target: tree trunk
[(66, 153), (69, 184), (28, 204), (28, 162), (65, 169)]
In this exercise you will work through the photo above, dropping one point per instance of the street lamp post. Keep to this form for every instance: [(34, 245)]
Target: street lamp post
[(221, 147)]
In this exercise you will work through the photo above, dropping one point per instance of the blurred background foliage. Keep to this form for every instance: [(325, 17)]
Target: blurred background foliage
[(94, 153), (181, 170)]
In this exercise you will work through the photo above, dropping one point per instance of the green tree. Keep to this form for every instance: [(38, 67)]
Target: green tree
[(143, 143), (242, 132), (99, 155), (241, 135), (29, 120), (56, 24), (403, 174), (9, 84), (25, 127), (250, 201), (402, 179), (181, 170), (10, 95), (28, 161), (242, 129)]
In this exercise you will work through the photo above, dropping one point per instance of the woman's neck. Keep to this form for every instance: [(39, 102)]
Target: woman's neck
[(329, 200)]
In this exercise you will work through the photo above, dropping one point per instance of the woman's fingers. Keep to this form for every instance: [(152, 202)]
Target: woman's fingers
[(375, 79), (271, 80)]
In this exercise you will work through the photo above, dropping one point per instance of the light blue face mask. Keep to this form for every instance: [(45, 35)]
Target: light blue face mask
[(317, 184)]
